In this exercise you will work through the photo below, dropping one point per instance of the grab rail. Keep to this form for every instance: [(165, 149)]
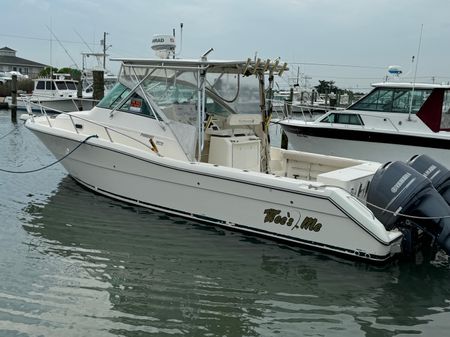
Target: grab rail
[(106, 128)]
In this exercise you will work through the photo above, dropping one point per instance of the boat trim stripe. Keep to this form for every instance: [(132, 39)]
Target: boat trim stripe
[(234, 180), (367, 136), (242, 228)]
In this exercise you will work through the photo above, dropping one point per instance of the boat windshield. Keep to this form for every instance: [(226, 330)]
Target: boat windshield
[(173, 89), (392, 100), (183, 97)]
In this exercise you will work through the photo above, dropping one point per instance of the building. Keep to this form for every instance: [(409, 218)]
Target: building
[(10, 62)]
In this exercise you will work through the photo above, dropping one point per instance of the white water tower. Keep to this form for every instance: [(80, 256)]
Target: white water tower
[(164, 46)]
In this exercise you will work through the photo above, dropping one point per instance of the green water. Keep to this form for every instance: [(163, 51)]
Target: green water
[(73, 263)]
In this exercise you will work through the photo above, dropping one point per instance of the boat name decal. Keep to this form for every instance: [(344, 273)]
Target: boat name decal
[(275, 216), (400, 182)]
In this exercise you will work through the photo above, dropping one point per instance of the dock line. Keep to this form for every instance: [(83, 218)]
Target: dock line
[(55, 162)]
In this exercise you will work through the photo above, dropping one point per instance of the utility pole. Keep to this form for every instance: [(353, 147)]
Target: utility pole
[(104, 49)]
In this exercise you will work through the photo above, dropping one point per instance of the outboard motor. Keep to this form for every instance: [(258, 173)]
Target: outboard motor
[(396, 190), (436, 172)]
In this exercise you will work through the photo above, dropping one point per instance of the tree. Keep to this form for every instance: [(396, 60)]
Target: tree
[(325, 87), (46, 71), (74, 73)]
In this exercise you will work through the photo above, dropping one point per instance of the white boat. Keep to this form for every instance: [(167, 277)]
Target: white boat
[(57, 94), (393, 122), (177, 136), (109, 79)]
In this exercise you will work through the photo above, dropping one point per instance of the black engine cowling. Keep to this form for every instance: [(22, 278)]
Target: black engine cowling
[(436, 172), (397, 188)]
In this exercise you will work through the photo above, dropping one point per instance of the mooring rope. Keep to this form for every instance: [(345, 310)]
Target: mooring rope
[(55, 162)]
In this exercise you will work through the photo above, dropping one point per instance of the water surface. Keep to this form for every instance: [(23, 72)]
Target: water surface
[(74, 263)]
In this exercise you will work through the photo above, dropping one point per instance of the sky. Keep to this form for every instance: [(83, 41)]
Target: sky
[(351, 42)]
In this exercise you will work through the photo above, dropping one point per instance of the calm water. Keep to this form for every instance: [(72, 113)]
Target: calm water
[(73, 263)]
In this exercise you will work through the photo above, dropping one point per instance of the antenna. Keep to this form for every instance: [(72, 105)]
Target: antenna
[(51, 51), (81, 38), (415, 74), (62, 46), (181, 40)]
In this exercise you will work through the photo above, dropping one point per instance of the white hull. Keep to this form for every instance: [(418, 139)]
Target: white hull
[(379, 152), (55, 105), (275, 207)]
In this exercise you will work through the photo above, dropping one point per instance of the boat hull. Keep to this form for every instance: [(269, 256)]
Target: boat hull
[(365, 145), (222, 196), (55, 105)]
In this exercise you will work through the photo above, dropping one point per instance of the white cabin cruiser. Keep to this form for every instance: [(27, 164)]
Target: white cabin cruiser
[(393, 122), (57, 94), (189, 137)]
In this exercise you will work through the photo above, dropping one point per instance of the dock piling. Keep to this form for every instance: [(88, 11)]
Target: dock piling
[(13, 106), (99, 85)]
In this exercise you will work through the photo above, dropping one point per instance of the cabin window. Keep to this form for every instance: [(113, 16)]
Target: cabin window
[(393, 100), (40, 85), (71, 85), (343, 118), (445, 117), (49, 85), (61, 85)]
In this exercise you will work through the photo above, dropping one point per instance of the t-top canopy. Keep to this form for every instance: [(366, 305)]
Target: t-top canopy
[(248, 67)]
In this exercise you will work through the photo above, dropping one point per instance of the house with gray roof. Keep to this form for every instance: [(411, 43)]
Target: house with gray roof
[(10, 62)]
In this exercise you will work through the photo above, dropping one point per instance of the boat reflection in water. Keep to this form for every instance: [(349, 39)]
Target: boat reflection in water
[(108, 268)]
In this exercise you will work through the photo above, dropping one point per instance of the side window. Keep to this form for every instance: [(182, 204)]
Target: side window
[(445, 117), (136, 104), (50, 85), (355, 120), (329, 119), (343, 118), (40, 85)]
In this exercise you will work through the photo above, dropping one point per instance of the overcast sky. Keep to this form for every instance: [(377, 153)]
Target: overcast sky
[(357, 39)]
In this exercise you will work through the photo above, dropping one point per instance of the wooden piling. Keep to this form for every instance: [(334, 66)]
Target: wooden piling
[(99, 85), (284, 138), (79, 102), (13, 106)]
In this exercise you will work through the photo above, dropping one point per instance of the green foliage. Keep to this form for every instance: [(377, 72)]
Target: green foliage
[(26, 85), (23, 86), (46, 71), (74, 73), (326, 87)]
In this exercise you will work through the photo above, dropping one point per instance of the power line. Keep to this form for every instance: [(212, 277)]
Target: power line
[(41, 39), (337, 65)]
